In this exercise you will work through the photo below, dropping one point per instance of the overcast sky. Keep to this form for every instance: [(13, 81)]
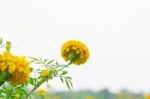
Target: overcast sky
[(117, 33)]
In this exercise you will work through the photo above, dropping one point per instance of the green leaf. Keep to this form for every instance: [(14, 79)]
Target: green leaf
[(21, 91), (64, 72), (55, 73), (38, 69), (49, 62), (2, 82), (1, 41), (70, 83), (57, 63), (61, 79), (67, 83), (69, 78), (31, 69), (2, 91), (45, 60), (4, 76), (33, 58), (8, 45), (32, 81)]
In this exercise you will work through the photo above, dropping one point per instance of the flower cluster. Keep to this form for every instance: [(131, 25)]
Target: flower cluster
[(44, 73), (17, 67), (19, 73)]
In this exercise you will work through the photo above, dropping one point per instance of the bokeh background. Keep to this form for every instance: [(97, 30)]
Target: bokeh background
[(116, 32)]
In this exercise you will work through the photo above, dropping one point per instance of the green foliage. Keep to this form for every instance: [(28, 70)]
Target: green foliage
[(102, 94), (1, 41), (41, 70), (8, 45), (55, 70), (46, 70), (12, 92), (66, 79), (36, 79)]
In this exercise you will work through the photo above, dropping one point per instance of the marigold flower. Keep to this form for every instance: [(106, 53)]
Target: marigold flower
[(7, 62), (76, 48), (16, 66)]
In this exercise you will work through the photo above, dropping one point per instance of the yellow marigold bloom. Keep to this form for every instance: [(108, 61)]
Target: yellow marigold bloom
[(78, 47), (147, 97), (7, 62), (41, 92), (17, 66), (21, 73), (89, 97), (56, 97), (45, 73)]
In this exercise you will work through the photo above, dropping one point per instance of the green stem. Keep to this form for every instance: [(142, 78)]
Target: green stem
[(6, 91), (72, 57), (4, 75), (65, 66), (42, 97), (40, 83)]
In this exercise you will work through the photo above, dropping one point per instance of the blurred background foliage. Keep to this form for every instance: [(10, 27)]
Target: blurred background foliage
[(88, 94)]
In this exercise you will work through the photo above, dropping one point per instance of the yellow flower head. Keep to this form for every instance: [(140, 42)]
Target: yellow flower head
[(147, 96), (16, 66), (45, 73), (7, 62), (41, 92), (78, 49), (89, 97)]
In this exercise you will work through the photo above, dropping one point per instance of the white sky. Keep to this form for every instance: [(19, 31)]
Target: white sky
[(117, 33)]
